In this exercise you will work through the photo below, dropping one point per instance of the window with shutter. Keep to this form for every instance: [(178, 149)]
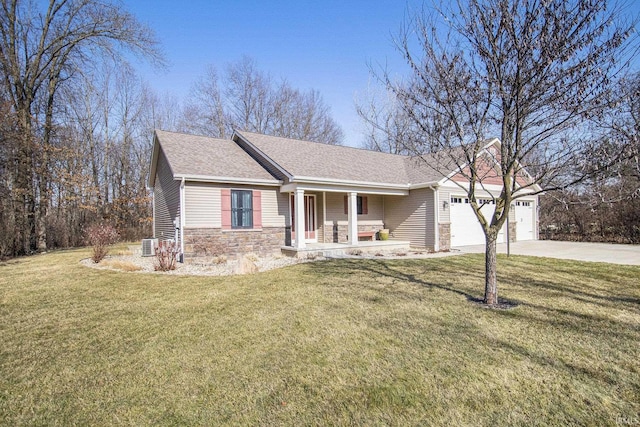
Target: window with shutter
[(225, 195), (241, 209), (363, 206)]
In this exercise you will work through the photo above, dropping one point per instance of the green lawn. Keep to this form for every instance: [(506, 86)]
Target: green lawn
[(341, 342)]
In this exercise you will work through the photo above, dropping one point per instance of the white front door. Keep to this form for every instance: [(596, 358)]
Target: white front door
[(310, 216), (524, 220)]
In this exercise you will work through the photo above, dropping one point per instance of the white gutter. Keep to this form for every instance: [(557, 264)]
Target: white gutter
[(432, 184), (228, 180), (315, 180)]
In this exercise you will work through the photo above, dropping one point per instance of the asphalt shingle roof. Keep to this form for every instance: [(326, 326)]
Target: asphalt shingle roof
[(193, 155), (310, 159), (209, 157)]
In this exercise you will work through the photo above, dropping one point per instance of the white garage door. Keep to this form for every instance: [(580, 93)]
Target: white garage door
[(465, 228), (524, 220)]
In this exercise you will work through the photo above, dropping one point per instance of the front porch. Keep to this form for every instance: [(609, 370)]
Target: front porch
[(338, 249)]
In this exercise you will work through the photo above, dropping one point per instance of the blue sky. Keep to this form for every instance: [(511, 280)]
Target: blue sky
[(323, 45), (326, 45)]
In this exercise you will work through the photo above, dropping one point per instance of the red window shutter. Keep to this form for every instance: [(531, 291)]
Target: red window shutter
[(226, 208), (346, 205), (257, 209), (365, 207)]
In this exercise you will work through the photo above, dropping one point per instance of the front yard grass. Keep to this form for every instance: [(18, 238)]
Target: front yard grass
[(338, 342)]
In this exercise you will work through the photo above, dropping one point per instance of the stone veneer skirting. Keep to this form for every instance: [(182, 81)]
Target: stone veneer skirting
[(341, 232), (212, 242), (444, 234)]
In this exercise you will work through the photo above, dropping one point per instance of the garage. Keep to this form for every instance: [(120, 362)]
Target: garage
[(465, 228), (524, 220)]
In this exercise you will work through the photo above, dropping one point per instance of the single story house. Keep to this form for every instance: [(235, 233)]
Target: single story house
[(255, 193)]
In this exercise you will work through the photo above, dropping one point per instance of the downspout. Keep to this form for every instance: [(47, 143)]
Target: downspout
[(153, 213), (436, 218), (182, 219)]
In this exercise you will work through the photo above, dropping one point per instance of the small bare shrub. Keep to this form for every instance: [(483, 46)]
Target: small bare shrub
[(166, 256), (100, 236), (355, 252)]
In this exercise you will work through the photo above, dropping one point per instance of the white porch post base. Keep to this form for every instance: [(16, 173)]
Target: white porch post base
[(353, 218), (299, 219)]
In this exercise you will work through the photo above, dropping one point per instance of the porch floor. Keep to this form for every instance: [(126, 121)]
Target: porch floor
[(338, 249)]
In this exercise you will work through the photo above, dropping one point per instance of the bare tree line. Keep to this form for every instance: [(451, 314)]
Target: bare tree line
[(76, 122), (605, 207), (246, 98), (41, 53)]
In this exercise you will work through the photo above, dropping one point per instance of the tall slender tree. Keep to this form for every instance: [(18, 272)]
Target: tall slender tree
[(531, 72)]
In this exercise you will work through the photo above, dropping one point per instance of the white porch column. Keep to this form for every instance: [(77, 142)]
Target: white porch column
[(353, 218), (299, 218)]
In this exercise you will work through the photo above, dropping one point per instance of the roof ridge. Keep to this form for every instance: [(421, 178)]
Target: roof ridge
[(193, 134), (304, 141)]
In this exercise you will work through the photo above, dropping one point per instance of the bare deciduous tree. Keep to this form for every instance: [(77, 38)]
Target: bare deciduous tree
[(606, 207), (530, 72), (249, 99), (40, 51), (387, 126)]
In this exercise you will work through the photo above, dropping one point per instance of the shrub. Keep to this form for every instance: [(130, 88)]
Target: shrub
[(100, 236), (166, 256)]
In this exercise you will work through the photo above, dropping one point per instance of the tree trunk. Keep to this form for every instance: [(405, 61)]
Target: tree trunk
[(24, 190), (491, 267)]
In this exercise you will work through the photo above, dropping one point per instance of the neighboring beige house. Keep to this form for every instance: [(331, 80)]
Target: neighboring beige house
[(252, 194)]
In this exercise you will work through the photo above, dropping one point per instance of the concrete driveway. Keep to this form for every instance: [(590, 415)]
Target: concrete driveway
[(596, 252)]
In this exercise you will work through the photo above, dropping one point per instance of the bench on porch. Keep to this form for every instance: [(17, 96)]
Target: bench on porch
[(368, 234)]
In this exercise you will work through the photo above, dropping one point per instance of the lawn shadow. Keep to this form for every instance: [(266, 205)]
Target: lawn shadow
[(554, 362), (586, 297), (403, 270), (384, 268)]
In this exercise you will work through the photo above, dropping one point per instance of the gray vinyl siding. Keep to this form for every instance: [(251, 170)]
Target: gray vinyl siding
[(275, 207), (444, 195), (167, 200), (203, 205), (411, 217), (335, 208)]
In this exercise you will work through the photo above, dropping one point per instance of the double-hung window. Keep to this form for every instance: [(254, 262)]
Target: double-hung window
[(362, 207), (241, 209), (359, 205)]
